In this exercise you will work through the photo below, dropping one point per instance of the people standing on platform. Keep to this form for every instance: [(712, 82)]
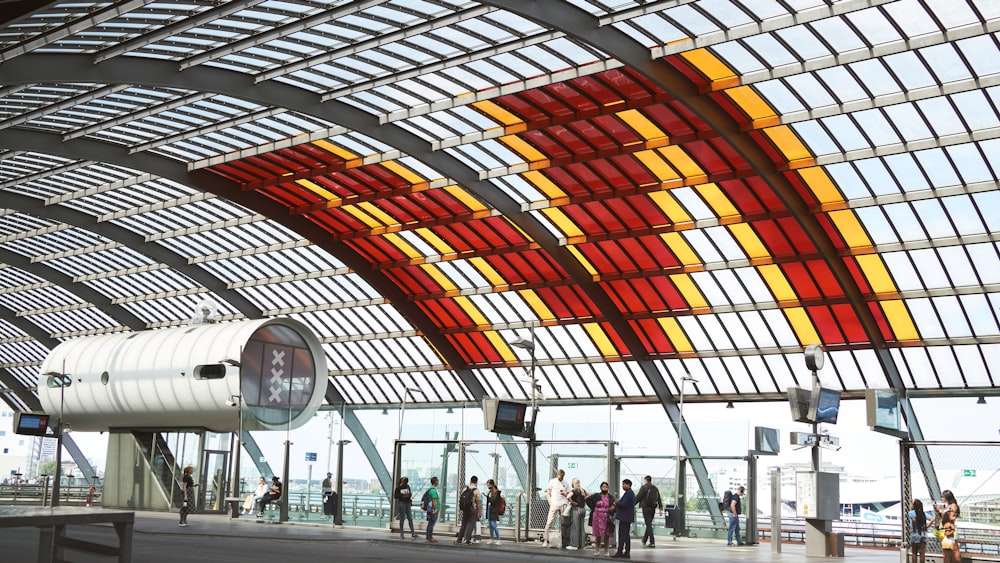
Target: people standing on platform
[(273, 494), (578, 509), (471, 509), (556, 495), (493, 511), (918, 531), (735, 509), (432, 509), (187, 487), (949, 544), (252, 499), (602, 518), (649, 499), (948, 510), (625, 514), (404, 505), (327, 483)]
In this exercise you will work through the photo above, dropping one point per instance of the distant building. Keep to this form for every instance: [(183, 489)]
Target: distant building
[(15, 450)]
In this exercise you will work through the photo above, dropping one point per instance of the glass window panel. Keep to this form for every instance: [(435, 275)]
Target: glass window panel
[(941, 116), (738, 58), (758, 372), (877, 127), (876, 77), (938, 168), (729, 282), (777, 367), (715, 372), (696, 335), (964, 215), (712, 324), (846, 368), (960, 270), (755, 287), (908, 122), (724, 241), (934, 219), (946, 63), (945, 367), (702, 246), (778, 324), (951, 314), (912, 18), (909, 176), (770, 50), (848, 181), (986, 261), (925, 318), (910, 71), (920, 369), (873, 26), (844, 86), (779, 97), (970, 164), (810, 90), (758, 330), (970, 364), (804, 42), (816, 138), (694, 22), (905, 222), (902, 271), (953, 15), (737, 331), (846, 133), (713, 294)]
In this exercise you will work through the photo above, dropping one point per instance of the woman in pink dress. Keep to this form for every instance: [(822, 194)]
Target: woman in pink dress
[(601, 525)]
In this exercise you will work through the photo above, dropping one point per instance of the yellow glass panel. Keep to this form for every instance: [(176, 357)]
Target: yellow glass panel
[(466, 198), (377, 213), (318, 190), (562, 222), (410, 177), (790, 146), (900, 320), (362, 216), (511, 123), (716, 71), (601, 339), (657, 165), (876, 273), (470, 309), (488, 271), (682, 161), (437, 275), (676, 334), (537, 304), (681, 249), (850, 228), (778, 283), (583, 260), (352, 160), (749, 240), (400, 243), (500, 345), (821, 185), (688, 289), (528, 152), (757, 110), (643, 126), (551, 190), (668, 204), (437, 242), (802, 325), (717, 200)]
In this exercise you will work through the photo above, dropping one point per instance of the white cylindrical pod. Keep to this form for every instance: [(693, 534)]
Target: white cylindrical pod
[(184, 377)]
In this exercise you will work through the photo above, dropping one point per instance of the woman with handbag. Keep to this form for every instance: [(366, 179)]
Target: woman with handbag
[(918, 531), (602, 518)]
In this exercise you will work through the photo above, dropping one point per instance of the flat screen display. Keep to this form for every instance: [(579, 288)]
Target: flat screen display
[(511, 413), (766, 441), (827, 405), (30, 424)]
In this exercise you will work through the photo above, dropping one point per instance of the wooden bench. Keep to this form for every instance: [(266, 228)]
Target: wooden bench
[(52, 523)]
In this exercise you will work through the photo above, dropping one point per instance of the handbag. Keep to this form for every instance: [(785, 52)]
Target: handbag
[(566, 509)]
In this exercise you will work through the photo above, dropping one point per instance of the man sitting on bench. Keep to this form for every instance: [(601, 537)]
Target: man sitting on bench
[(272, 495)]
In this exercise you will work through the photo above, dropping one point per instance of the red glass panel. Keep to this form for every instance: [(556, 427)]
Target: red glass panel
[(860, 280), (773, 238), (649, 214), (621, 133), (736, 162), (587, 223), (292, 195), (475, 348), (593, 185), (438, 313), (598, 258), (826, 325), (267, 168), (568, 302), (624, 82), (802, 282), (734, 111), (238, 174), (765, 193), (665, 290), (583, 107), (598, 90), (456, 312), (679, 129), (601, 144), (849, 323), (378, 249), (765, 144), (620, 347), (640, 176), (605, 218), (526, 110), (336, 221), (832, 232), (634, 296), (693, 75), (709, 160), (530, 267), (702, 129), (639, 254), (412, 281), (549, 104), (654, 340), (742, 197), (804, 192), (793, 230), (543, 141), (825, 279), (882, 322), (613, 177), (624, 209)]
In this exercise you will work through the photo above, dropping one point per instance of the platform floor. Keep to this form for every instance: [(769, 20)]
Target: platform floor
[(218, 538)]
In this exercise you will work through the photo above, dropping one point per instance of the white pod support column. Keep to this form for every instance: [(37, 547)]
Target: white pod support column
[(182, 377)]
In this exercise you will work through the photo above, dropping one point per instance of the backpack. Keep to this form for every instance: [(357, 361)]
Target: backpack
[(425, 501), (465, 501), (501, 505), (652, 498), (727, 501)]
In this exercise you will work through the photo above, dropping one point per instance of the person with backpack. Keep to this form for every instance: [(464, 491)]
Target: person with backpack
[(471, 509), (430, 502), (649, 499), (495, 508), (734, 517)]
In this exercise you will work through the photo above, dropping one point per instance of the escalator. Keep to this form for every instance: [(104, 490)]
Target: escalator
[(162, 465)]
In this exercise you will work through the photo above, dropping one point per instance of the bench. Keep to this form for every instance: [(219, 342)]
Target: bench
[(235, 505), (52, 523)]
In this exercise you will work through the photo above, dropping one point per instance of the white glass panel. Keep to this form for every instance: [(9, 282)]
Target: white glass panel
[(981, 315)]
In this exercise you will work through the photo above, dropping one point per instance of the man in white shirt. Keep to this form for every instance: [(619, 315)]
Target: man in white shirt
[(556, 494)]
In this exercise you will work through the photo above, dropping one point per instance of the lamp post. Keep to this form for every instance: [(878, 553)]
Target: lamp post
[(338, 518), (529, 345), (678, 497), (62, 381), (406, 393)]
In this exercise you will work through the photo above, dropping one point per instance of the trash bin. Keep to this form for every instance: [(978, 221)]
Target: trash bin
[(329, 502), (670, 515)]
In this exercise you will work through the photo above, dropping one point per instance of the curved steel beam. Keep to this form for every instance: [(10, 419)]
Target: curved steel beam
[(153, 251), (89, 149)]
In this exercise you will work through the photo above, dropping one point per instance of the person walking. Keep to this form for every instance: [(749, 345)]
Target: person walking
[(649, 499), (404, 505), (432, 509), (472, 510), (187, 487), (578, 509), (625, 514), (556, 495), (735, 509), (493, 511), (602, 517), (918, 531)]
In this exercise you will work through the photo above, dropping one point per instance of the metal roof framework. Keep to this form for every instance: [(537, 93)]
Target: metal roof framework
[(656, 189)]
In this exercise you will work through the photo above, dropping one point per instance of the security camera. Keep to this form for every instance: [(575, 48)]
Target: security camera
[(230, 403)]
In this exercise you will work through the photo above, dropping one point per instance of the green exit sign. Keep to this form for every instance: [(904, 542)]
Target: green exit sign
[(572, 465), (968, 473)]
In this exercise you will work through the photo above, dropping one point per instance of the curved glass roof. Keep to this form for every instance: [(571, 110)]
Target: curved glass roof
[(652, 189)]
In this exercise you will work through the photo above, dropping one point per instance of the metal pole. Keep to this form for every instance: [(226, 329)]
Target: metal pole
[(283, 516), (338, 510), (239, 447), (59, 440), (678, 499)]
